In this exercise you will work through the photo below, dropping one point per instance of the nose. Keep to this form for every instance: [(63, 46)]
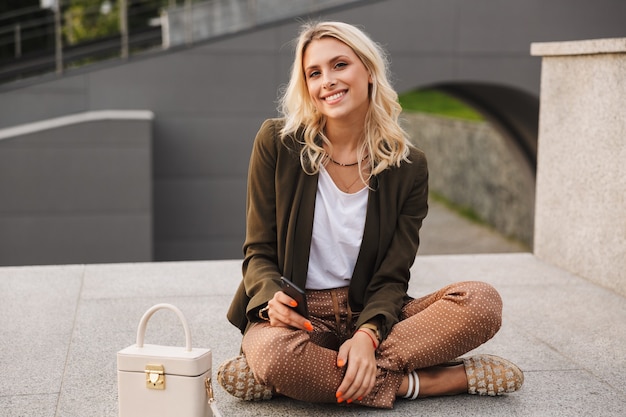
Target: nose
[(329, 83)]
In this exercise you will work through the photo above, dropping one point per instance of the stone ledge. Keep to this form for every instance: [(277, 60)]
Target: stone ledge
[(72, 119), (584, 47)]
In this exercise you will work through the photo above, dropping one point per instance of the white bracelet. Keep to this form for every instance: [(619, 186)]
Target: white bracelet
[(409, 391)]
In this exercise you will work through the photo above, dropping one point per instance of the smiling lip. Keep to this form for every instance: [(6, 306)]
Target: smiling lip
[(334, 97)]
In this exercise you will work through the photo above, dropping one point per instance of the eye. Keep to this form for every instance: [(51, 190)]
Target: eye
[(340, 65), (314, 74)]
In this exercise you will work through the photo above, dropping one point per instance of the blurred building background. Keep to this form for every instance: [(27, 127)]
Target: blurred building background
[(126, 126)]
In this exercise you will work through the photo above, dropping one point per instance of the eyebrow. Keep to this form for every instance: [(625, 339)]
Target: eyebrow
[(338, 57)]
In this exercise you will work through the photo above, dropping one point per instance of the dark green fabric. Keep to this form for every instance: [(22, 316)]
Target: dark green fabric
[(279, 224)]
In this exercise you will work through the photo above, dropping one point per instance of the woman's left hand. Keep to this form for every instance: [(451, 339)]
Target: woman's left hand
[(358, 354)]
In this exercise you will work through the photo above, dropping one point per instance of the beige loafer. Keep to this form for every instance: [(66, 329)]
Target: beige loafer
[(492, 375), (237, 379)]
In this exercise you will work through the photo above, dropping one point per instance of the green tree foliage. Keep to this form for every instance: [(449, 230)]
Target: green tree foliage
[(92, 19), (87, 19), (437, 102)]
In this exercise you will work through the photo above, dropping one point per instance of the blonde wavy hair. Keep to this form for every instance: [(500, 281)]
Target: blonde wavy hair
[(385, 142)]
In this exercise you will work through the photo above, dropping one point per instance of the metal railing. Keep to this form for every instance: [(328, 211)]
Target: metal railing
[(55, 51), (163, 24)]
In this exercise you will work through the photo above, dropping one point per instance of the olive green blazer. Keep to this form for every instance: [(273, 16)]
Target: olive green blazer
[(279, 223)]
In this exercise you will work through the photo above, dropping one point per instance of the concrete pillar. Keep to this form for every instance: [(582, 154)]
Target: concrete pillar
[(580, 215)]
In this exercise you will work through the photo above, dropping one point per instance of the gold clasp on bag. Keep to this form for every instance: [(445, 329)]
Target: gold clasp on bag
[(155, 377), (209, 390), (211, 398)]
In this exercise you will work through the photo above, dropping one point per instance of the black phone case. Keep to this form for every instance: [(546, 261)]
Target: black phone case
[(297, 294)]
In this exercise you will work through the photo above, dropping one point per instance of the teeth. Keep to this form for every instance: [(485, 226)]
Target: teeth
[(334, 96)]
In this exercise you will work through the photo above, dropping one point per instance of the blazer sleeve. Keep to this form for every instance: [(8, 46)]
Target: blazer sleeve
[(261, 274)]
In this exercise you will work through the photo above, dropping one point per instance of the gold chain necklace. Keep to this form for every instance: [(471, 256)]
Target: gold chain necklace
[(347, 189), (342, 185)]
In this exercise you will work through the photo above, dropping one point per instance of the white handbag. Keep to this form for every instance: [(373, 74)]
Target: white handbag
[(164, 381)]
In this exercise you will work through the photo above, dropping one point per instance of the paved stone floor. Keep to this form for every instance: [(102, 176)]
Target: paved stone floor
[(446, 233), (61, 326)]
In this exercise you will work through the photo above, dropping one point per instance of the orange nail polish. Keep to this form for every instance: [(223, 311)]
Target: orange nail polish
[(340, 400), (349, 401), (293, 303), (308, 326), (340, 363), (360, 399), (338, 394)]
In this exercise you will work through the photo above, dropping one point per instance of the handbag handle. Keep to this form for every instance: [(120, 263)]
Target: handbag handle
[(141, 330)]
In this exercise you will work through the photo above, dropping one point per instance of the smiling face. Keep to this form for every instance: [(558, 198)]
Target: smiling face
[(337, 80)]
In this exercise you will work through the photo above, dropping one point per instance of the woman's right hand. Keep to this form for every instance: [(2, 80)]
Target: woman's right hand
[(282, 314)]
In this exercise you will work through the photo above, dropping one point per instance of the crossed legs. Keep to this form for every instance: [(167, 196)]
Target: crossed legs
[(433, 330)]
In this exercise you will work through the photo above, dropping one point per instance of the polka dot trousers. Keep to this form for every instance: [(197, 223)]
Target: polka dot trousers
[(432, 330)]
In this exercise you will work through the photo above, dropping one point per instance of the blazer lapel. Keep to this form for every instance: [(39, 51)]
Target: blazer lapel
[(367, 258), (303, 228)]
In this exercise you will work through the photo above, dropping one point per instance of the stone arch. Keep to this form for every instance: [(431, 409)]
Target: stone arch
[(515, 113), (488, 167)]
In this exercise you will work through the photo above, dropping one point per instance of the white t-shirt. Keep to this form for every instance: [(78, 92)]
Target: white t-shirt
[(338, 225)]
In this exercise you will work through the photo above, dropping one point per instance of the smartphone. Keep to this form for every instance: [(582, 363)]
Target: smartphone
[(297, 294)]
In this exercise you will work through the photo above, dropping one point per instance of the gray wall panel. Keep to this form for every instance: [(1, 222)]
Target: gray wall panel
[(57, 97), (75, 238), (267, 40), (203, 146), (429, 70), (412, 29), (498, 26), (199, 218), (77, 193), (70, 180), (515, 71), (200, 208), (226, 247), (223, 84)]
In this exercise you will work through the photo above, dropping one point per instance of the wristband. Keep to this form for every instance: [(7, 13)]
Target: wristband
[(373, 328), (370, 336)]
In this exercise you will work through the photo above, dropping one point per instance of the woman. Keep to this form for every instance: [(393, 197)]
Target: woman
[(336, 198)]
